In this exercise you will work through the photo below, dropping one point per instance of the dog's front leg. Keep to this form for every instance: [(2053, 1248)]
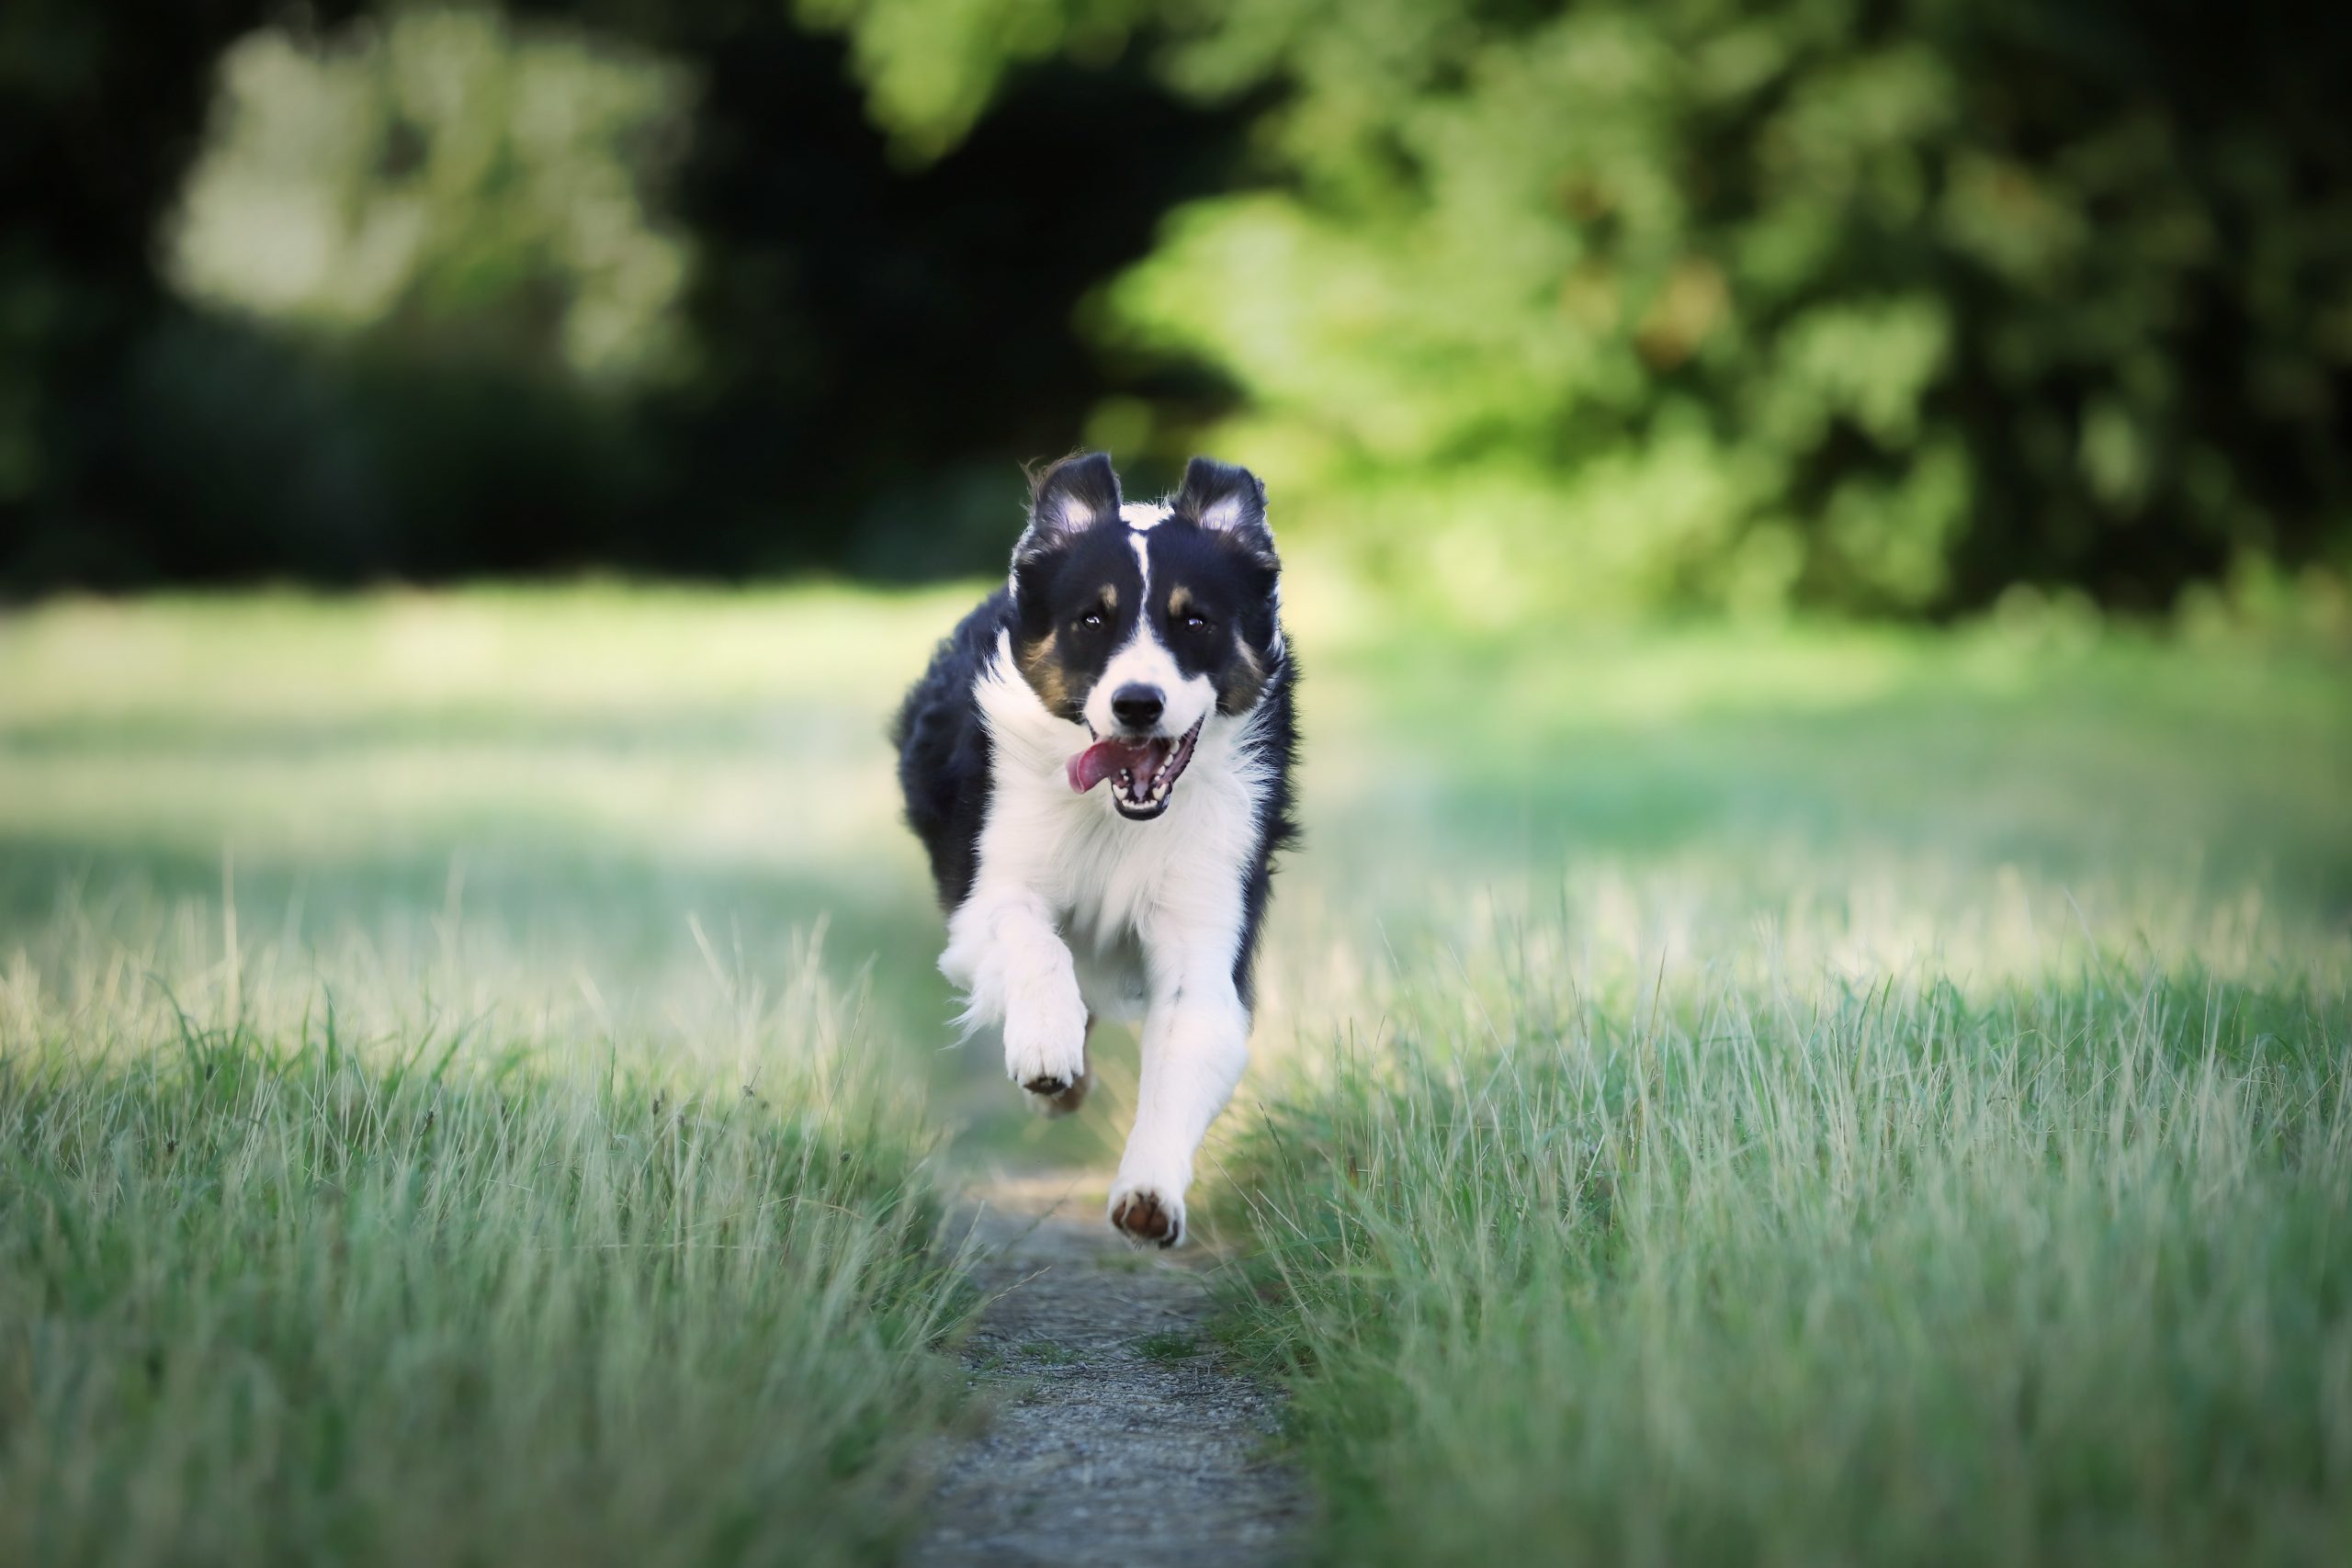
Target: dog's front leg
[(1015, 971), (1195, 1043)]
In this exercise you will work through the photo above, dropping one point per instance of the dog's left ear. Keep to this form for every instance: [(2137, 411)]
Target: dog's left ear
[(1229, 501)]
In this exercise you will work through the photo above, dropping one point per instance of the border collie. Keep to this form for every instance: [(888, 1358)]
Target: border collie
[(1099, 763)]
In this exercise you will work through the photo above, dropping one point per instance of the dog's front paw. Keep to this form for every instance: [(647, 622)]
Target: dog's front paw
[(1044, 1047), (1048, 1100), (1149, 1212)]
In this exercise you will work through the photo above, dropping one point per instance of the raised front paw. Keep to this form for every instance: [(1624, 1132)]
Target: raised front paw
[(1051, 1097), (1044, 1048), (1149, 1212)]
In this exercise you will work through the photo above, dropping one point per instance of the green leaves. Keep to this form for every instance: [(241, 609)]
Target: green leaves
[(1933, 298)]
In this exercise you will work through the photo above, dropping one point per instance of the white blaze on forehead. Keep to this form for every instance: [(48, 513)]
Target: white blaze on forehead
[(1145, 660)]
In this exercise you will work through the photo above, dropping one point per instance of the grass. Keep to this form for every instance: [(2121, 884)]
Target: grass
[(309, 1282), (1773, 1095), (431, 1126), (1915, 1127), (1790, 1265), (1169, 1348)]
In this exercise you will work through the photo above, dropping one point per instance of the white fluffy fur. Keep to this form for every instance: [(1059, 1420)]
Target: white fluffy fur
[(1077, 908), (1223, 515)]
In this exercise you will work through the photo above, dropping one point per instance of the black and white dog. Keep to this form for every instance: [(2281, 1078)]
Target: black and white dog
[(1138, 647)]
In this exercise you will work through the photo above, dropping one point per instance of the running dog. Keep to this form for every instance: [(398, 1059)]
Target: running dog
[(1098, 763)]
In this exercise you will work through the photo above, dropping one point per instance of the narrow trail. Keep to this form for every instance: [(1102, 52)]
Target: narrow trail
[(1119, 1435)]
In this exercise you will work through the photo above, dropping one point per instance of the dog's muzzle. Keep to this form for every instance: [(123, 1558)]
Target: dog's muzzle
[(1142, 773)]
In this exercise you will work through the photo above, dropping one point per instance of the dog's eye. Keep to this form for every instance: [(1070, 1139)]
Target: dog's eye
[(1196, 623), (1092, 620)]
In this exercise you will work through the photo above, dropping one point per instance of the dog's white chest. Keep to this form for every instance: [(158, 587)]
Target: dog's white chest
[(1109, 879)]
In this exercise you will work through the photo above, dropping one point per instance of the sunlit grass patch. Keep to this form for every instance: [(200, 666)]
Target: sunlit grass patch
[(323, 1267), (1770, 1257), (1824, 1090)]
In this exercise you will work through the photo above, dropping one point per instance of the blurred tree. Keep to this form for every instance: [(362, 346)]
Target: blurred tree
[(444, 172), (1886, 304), (101, 112), (604, 282), (440, 232), (882, 337), (1881, 304)]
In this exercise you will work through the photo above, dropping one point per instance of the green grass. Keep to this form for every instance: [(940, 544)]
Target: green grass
[(433, 1126), (1794, 1267), (1887, 1103), (310, 1281), (1784, 1094), (1169, 1346)]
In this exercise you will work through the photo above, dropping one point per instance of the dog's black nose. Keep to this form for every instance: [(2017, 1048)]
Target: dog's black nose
[(1136, 706)]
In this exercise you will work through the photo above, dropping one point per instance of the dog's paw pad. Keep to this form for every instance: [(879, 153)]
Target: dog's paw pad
[(1144, 1215), (1058, 1097), (1045, 1050)]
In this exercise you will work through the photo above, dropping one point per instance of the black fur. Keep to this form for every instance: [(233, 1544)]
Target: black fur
[(1213, 606), (1066, 499), (1080, 590), (943, 750), (1277, 826)]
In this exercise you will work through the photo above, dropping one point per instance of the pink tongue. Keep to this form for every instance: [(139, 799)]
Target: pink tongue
[(1106, 759)]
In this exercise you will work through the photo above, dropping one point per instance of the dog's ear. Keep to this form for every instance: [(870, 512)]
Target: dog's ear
[(1066, 499), (1229, 501)]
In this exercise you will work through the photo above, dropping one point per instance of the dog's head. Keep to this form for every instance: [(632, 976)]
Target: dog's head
[(1143, 622)]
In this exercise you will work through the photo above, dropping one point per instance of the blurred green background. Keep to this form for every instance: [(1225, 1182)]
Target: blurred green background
[(1808, 520), (1895, 307), (634, 810)]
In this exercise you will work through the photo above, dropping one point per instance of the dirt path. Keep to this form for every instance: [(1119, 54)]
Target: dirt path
[(1120, 1436)]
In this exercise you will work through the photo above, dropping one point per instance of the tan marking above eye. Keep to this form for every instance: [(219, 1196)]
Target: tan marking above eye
[(1179, 602), (1110, 596)]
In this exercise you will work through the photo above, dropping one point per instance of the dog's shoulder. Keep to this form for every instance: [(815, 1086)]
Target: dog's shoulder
[(943, 747), (945, 689)]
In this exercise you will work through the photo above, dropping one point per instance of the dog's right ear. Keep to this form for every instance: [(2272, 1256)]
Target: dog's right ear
[(1068, 498), (1231, 503)]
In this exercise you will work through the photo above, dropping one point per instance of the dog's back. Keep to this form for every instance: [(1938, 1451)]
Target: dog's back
[(943, 750)]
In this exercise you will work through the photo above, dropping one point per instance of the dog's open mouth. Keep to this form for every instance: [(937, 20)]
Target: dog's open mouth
[(1143, 774)]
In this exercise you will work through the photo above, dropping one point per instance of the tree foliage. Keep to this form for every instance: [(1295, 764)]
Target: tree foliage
[(1883, 304), (426, 291)]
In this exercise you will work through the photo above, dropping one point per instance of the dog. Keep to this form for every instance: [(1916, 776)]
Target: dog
[(1098, 763)]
